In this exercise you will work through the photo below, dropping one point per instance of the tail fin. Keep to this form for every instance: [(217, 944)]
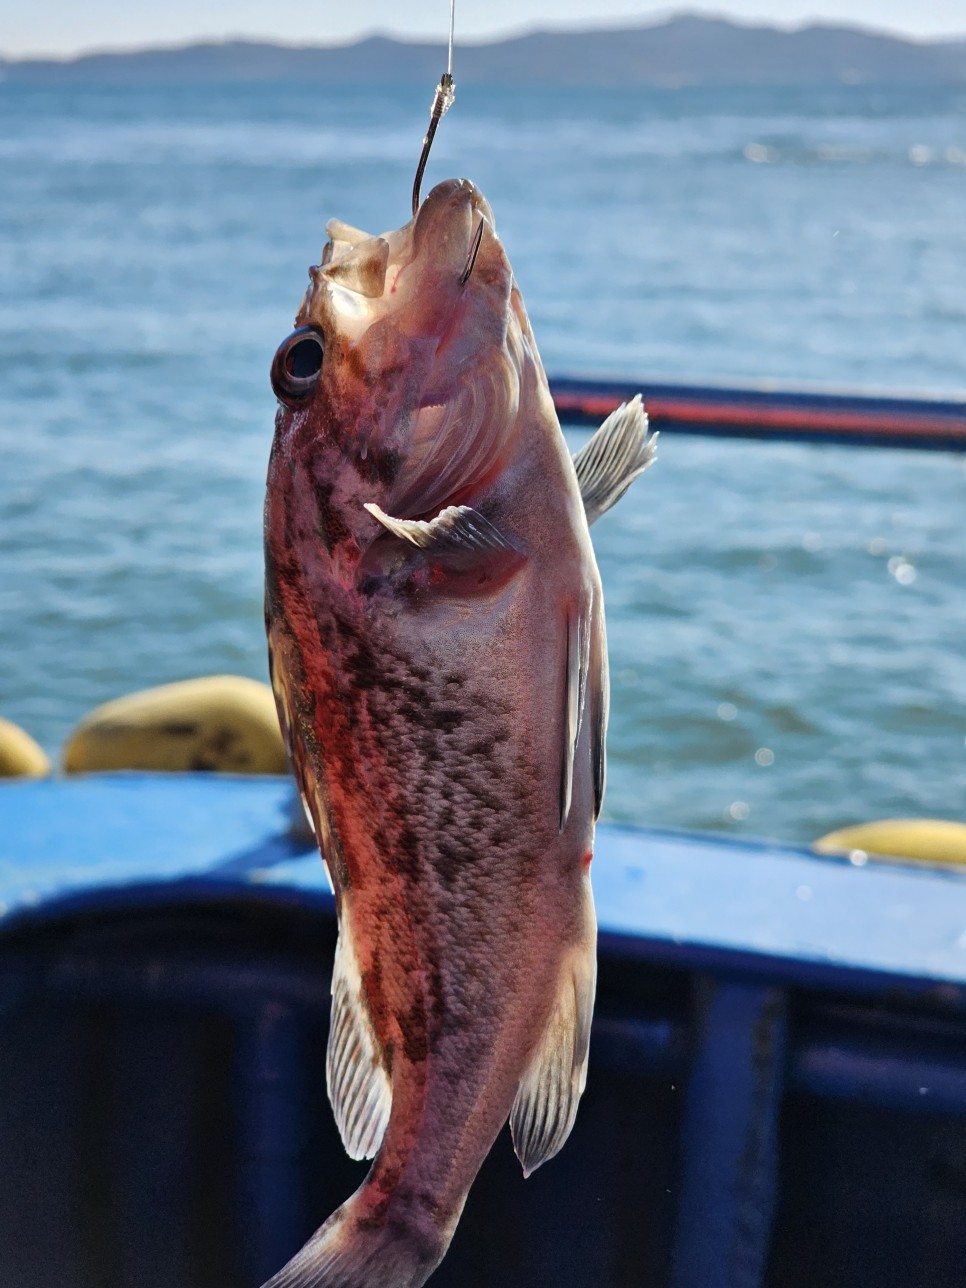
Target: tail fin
[(355, 1249)]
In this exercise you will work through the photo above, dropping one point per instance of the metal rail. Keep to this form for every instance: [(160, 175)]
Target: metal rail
[(782, 415)]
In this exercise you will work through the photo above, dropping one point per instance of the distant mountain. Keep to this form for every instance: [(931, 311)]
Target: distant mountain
[(684, 50)]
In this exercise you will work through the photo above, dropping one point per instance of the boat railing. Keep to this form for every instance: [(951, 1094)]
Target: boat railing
[(771, 413)]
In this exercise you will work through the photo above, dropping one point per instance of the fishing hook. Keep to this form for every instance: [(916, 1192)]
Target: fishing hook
[(445, 93), (442, 102), (474, 251)]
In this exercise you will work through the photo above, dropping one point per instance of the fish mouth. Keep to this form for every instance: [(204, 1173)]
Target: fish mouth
[(453, 227), (454, 192)]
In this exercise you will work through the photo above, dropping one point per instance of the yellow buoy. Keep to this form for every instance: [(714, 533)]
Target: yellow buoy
[(20, 756), (225, 723), (931, 840)]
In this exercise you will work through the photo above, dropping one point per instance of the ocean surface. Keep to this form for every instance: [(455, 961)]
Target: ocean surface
[(787, 623)]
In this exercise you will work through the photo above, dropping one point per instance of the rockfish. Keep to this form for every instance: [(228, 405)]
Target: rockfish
[(437, 651)]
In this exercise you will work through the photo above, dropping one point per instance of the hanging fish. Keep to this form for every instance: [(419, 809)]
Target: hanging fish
[(437, 650)]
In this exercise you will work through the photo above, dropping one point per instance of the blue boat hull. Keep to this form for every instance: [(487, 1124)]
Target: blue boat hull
[(776, 1096)]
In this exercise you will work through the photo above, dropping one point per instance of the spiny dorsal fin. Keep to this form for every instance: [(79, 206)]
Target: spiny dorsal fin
[(358, 1084), (550, 1089), (619, 451), (457, 528)]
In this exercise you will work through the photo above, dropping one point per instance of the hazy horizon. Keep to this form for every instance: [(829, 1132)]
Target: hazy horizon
[(58, 30)]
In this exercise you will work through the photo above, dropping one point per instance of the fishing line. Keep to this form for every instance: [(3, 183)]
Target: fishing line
[(442, 102)]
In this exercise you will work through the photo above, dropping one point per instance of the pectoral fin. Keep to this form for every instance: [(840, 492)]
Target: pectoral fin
[(550, 1089), (598, 682), (359, 1087), (574, 693), (615, 456), (458, 528)]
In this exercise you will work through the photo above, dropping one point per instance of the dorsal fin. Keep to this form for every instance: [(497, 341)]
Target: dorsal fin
[(619, 451)]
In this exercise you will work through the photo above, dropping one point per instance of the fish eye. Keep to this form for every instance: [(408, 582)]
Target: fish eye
[(296, 366)]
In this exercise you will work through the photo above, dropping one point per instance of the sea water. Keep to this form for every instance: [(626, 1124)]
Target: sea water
[(787, 623)]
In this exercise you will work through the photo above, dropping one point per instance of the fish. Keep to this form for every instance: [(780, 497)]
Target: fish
[(437, 650)]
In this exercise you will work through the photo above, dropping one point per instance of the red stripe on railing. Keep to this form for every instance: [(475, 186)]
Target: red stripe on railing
[(762, 418)]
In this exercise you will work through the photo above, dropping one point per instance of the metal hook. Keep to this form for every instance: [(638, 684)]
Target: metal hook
[(443, 101), (474, 251)]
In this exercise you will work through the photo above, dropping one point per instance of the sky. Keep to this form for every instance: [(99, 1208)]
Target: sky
[(63, 27)]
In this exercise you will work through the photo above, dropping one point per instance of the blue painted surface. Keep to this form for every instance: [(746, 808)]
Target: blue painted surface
[(84, 835), (780, 1035), (120, 835), (747, 897), (728, 1181)]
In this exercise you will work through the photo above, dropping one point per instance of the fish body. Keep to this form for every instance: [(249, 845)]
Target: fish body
[(437, 650)]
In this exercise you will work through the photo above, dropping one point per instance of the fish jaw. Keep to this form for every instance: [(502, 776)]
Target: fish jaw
[(413, 274), (420, 382)]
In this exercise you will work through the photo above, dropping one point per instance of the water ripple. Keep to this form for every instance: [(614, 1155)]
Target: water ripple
[(786, 623)]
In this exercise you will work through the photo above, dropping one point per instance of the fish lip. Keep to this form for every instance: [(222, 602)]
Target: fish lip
[(447, 189), (450, 195), (452, 232), (479, 203)]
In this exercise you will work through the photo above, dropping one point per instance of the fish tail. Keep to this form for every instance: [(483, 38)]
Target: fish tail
[(359, 1247)]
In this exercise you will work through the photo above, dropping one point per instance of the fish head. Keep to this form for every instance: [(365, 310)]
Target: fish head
[(410, 353)]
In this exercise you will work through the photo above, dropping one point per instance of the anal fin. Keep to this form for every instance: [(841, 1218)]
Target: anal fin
[(619, 451), (359, 1086), (550, 1089)]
